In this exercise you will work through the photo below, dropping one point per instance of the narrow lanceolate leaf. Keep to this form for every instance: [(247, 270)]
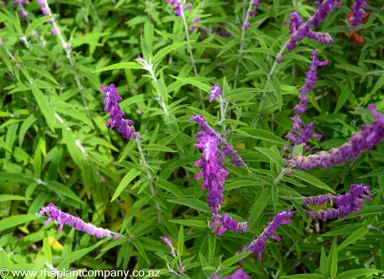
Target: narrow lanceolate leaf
[(131, 175), (258, 207), (11, 198), (306, 276), (180, 241), (158, 147), (44, 107), (312, 180), (355, 236), (275, 158), (356, 273), (164, 51), (235, 259), (118, 66), (193, 203), (16, 220), (261, 135)]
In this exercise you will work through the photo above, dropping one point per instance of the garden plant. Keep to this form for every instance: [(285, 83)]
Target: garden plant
[(192, 138)]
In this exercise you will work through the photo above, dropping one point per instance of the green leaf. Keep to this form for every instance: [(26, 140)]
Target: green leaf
[(63, 190), (312, 180), (367, 210), (195, 82), (192, 203), (25, 126), (344, 96), (343, 230), (11, 198), (78, 254), (47, 248), (166, 185), (118, 66), (133, 100), (16, 220), (274, 195), (258, 207), (260, 135), (45, 108), (306, 276), (180, 241), (279, 98), (355, 236), (323, 262), (376, 172), (134, 209), (158, 147), (275, 158), (355, 273), (379, 84), (235, 259), (164, 51), (190, 223), (332, 259), (131, 175), (36, 23)]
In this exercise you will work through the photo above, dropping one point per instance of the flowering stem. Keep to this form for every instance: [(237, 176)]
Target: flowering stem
[(149, 175), (189, 46), (242, 40), (223, 110)]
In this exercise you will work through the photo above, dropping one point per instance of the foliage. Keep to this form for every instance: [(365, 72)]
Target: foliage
[(56, 148)]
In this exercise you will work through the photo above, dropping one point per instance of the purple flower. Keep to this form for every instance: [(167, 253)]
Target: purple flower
[(357, 13), (55, 31), (168, 242), (215, 92), (63, 218), (20, 2), (300, 134), (23, 14), (212, 171), (177, 7), (258, 245), (42, 3), (369, 136), (299, 30), (239, 274), (193, 28), (344, 204), (227, 147), (124, 127), (228, 223)]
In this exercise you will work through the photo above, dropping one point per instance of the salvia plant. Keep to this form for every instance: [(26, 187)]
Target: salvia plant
[(201, 139)]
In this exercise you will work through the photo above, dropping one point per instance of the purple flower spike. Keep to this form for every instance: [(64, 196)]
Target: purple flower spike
[(193, 27), (369, 136), (344, 204), (299, 133), (63, 218), (212, 171), (124, 127), (20, 2), (239, 274), (299, 29), (357, 13), (177, 7), (258, 245), (168, 242), (215, 92), (227, 147), (228, 223)]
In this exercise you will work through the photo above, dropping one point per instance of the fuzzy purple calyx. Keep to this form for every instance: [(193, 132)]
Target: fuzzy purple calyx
[(124, 126), (368, 137), (258, 245), (63, 218)]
